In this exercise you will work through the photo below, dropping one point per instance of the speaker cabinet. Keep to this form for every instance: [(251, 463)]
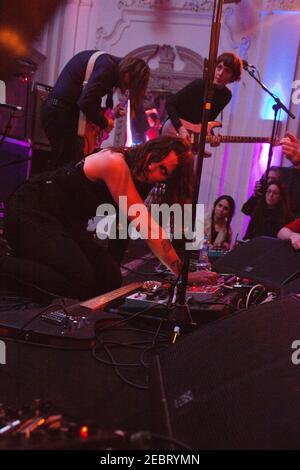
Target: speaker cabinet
[(269, 261), (233, 384), (15, 160), (39, 137)]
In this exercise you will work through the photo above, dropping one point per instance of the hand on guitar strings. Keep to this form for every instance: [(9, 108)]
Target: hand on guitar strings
[(215, 140), (184, 134), (119, 111), (110, 124)]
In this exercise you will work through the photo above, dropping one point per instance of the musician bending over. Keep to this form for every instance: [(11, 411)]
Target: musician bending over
[(46, 218), (60, 112)]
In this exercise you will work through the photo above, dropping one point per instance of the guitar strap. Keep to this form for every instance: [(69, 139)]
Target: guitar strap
[(88, 73)]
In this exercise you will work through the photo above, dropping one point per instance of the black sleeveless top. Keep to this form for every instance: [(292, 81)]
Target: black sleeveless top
[(65, 195)]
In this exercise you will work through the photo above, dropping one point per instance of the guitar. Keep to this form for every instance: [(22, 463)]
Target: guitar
[(195, 130), (101, 301), (94, 135), (70, 326)]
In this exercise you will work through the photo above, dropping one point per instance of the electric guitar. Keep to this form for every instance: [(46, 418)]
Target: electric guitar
[(195, 130), (64, 324), (94, 135)]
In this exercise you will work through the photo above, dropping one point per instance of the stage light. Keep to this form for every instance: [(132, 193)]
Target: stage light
[(13, 42), (21, 22), (84, 432)]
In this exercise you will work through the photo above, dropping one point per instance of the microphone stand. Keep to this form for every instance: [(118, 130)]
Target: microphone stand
[(276, 107), (180, 314)]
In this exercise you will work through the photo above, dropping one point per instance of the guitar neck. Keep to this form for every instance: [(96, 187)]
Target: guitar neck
[(195, 130), (239, 139), (97, 303)]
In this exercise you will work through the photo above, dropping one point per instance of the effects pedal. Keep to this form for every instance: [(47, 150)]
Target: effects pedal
[(152, 293), (205, 293)]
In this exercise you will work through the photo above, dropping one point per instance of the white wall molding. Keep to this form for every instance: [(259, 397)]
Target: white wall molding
[(178, 14), (105, 41), (284, 5), (182, 5), (241, 44)]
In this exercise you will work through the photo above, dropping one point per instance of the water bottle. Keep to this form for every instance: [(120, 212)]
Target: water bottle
[(203, 261)]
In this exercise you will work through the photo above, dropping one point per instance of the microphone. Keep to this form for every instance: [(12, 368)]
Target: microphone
[(13, 107), (246, 65)]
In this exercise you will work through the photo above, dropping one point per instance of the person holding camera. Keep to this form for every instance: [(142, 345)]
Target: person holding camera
[(271, 212)]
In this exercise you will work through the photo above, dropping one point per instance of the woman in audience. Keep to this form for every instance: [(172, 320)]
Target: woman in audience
[(217, 226), (270, 213), (250, 205)]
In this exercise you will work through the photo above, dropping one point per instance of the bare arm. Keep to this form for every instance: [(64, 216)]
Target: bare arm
[(113, 170), (287, 234), (290, 149)]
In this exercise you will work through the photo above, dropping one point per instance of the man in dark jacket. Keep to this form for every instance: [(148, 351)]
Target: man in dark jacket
[(68, 97)]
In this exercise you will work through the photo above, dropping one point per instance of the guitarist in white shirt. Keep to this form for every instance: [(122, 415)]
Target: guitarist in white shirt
[(187, 104)]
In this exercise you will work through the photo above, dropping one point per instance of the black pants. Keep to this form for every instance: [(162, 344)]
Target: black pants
[(60, 122), (58, 255)]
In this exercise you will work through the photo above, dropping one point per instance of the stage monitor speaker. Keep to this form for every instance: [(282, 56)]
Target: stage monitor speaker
[(233, 384), (268, 261), (15, 159), (292, 287)]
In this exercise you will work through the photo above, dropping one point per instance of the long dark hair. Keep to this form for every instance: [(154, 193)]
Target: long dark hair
[(139, 74), (231, 203), (179, 186), (285, 214)]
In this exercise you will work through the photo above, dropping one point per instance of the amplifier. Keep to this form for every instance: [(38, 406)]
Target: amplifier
[(15, 160), (41, 92)]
